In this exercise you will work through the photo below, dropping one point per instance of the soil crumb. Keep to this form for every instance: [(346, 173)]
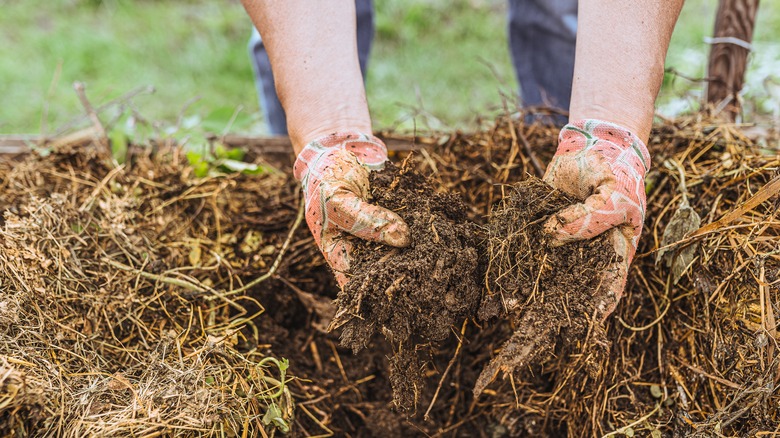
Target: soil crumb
[(415, 295), (548, 291)]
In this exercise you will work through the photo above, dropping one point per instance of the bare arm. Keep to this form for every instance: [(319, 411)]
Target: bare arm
[(313, 52), (621, 47), (602, 155), (312, 45)]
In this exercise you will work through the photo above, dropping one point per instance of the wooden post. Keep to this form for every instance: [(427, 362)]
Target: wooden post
[(728, 53)]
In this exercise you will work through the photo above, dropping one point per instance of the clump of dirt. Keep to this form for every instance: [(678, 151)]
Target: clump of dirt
[(414, 295), (549, 291)]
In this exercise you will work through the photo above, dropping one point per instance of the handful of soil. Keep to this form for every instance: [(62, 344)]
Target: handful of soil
[(413, 295), (549, 291)]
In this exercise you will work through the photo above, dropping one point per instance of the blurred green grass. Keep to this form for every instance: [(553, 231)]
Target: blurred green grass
[(435, 64)]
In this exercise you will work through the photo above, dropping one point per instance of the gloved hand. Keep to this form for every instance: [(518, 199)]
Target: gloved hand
[(333, 171), (604, 164)]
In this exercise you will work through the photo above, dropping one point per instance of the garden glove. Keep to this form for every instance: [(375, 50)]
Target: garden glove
[(333, 171), (604, 164)]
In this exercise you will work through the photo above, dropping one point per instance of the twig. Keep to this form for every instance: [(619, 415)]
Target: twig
[(278, 261), (720, 380), (447, 370), (155, 277), (121, 100), (513, 152), (623, 429), (764, 193), (767, 313), (88, 202), (101, 131), (651, 324), (531, 155), (318, 422)]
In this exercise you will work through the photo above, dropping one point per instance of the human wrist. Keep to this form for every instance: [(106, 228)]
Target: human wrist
[(368, 150), (630, 108), (317, 118), (302, 137), (617, 134)]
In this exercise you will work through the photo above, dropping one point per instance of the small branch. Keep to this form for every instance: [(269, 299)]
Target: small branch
[(278, 261), (623, 429), (155, 277), (531, 155), (101, 131), (446, 371)]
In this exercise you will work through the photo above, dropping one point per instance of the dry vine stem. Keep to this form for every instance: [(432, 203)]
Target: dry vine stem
[(74, 327)]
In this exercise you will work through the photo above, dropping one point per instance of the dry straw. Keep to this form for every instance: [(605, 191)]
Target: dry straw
[(113, 315), (119, 313)]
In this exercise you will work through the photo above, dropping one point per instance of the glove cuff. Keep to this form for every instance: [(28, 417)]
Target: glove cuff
[(370, 151), (596, 132)]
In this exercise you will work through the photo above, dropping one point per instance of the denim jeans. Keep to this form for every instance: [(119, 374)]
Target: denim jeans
[(541, 41)]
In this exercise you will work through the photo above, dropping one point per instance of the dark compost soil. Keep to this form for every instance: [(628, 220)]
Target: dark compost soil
[(550, 291), (414, 295), (99, 336)]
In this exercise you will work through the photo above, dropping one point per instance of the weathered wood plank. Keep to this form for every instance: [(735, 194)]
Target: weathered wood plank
[(20, 144)]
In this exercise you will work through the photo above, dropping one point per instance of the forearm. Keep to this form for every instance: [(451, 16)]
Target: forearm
[(621, 48), (313, 52)]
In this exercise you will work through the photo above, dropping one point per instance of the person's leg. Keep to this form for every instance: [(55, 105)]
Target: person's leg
[(264, 79), (542, 35), (364, 11), (266, 89)]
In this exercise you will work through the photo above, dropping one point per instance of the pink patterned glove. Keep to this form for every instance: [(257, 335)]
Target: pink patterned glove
[(604, 164), (333, 171)]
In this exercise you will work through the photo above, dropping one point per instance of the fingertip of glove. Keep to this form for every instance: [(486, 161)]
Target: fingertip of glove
[(341, 279), (397, 234), (552, 228)]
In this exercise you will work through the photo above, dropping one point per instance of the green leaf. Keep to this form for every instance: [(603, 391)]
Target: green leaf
[(199, 166), (274, 416), (201, 169), (272, 412), (222, 151), (194, 157), (235, 154), (281, 424), (238, 166), (119, 142)]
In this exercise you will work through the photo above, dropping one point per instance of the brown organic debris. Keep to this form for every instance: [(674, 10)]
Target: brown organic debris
[(120, 275), (412, 295), (554, 294)]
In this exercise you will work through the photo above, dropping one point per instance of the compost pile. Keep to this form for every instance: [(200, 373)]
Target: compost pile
[(120, 304), (554, 294), (414, 295), (137, 299)]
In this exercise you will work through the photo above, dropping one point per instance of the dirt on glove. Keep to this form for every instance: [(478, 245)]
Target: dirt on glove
[(550, 292), (455, 269), (414, 296)]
